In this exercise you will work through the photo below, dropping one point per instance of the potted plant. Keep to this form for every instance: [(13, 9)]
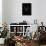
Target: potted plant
[(3, 34)]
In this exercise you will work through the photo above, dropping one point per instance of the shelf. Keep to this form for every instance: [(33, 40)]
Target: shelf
[(19, 25), (16, 32), (20, 29), (19, 32), (12, 32)]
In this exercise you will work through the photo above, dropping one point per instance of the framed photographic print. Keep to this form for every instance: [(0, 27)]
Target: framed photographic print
[(26, 9)]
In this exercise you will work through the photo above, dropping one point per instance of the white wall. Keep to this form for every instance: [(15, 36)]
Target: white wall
[(4, 11), (13, 11), (39, 10), (0, 13)]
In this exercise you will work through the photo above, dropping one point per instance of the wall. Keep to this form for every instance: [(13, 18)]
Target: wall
[(0, 13), (4, 11), (13, 11)]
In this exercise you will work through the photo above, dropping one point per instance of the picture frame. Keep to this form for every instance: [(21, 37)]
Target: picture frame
[(26, 9)]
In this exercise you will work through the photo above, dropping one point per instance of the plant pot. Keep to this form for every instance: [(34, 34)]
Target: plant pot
[(2, 40)]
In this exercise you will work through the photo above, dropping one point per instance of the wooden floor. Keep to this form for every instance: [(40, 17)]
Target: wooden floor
[(42, 45), (32, 45), (1, 45)]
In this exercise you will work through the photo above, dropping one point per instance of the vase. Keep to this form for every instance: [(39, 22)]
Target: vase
[(2, 40)]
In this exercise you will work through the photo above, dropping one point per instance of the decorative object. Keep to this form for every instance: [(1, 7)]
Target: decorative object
[(3, 34), (2, 40), (26, 8), (35, 21), (28, 33)]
